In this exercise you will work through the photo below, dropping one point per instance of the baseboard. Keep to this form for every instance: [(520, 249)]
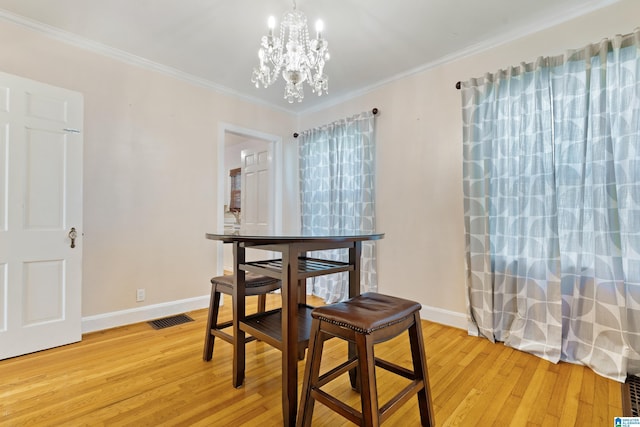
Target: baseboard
[(145, 313), (142, 314), (444, 317)]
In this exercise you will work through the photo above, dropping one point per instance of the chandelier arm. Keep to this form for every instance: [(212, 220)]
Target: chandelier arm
[(313, 58), (276, 72)]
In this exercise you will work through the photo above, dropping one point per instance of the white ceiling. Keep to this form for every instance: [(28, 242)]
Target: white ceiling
[(215, 42)]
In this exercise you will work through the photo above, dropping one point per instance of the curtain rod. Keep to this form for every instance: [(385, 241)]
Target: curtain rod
[(607, 42), (374, 111)]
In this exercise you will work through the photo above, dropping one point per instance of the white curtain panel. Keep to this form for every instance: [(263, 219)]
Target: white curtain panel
[(337, 178), (552, 206)]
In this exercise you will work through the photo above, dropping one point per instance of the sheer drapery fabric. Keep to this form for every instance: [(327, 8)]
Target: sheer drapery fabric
[(552, 206), (337, 195)]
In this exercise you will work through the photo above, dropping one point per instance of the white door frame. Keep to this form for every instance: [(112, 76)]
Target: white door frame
[(275, 145)]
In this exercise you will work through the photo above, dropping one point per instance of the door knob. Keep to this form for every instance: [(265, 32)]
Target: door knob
[(73, 234)]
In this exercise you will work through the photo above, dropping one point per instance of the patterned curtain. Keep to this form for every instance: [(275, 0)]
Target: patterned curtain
[(552, 206), (337, 177)]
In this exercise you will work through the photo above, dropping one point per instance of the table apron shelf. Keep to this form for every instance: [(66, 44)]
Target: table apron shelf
[(267, 326), (307, 267)]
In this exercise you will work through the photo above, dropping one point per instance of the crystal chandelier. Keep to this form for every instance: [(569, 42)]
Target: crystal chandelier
[(299, 58)]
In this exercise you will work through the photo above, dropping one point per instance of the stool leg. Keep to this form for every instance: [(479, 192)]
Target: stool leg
[(212, 322), (368, 391), (311, 374), (262, 303), (425, 404), (354, 374)]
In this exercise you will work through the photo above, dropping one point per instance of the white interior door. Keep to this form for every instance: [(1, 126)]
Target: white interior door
[(40, 202), (257, 200)]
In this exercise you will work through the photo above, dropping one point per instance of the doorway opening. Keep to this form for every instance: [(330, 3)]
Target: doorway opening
[(232, 142)]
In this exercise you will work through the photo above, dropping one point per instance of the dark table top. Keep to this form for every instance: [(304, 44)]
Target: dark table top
[(292, 238)]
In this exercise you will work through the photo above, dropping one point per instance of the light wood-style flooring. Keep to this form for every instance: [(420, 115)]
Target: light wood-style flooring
[(137, 376)]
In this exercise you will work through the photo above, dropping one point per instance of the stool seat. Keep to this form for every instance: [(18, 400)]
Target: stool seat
[(363, 321), (368, 312), (254, 284)]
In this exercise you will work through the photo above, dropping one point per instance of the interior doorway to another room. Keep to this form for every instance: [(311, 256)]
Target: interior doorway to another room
[(251, 159)]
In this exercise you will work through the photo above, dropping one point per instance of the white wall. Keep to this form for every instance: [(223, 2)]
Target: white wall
[(150, 171), (419, 149)]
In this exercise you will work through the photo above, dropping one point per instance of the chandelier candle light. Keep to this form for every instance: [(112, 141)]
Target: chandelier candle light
[(299, 59)]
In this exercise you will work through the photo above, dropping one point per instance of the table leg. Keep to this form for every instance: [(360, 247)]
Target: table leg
[(302, 285), (289, 335), (354, 290), (238, 315), (302, 299)]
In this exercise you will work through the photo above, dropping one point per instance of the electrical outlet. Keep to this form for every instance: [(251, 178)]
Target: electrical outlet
[(140, 295)]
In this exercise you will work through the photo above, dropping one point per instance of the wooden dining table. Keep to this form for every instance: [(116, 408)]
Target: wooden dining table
[(286, 328)]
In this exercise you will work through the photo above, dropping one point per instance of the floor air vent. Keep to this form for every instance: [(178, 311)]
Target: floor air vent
[(631, 397), (170, 321)]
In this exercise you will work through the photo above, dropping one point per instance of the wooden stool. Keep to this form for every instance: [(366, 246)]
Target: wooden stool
[(364, 321), (254, 285)]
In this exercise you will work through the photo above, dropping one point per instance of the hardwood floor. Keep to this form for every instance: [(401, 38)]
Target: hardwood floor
[(136, 375)]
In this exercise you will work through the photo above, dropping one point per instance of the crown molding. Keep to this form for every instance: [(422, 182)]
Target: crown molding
[(128, 58), (521, 32), (89, 45)]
